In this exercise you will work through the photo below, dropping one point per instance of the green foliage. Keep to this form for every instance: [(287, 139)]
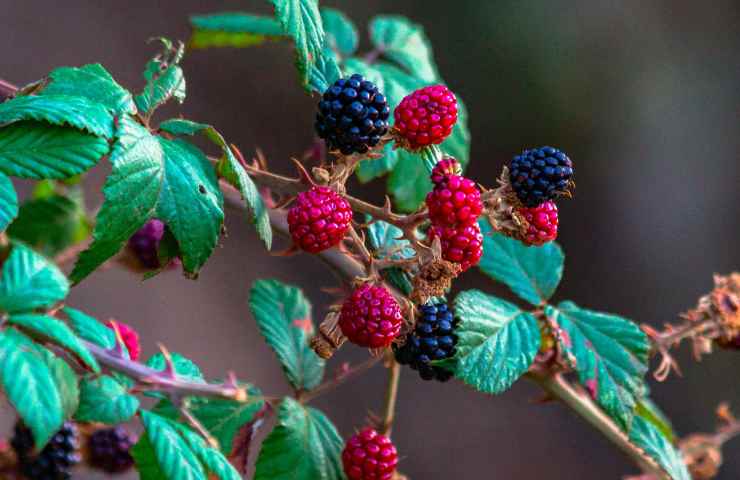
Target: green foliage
[(103, 399), (610, 354), (36, 150), (405, 43), (497, 342), (164, 79), (301, 21), (650, 412), (232, 30), (533, 273), (8, 202), (51, 223), (341, 33), (284, 318), (90, 329), (213, 461), (324, 72), (304, 445), (30, 281), (94, 83), (62, 110), (386, 242), (646, 436), (184, 367)]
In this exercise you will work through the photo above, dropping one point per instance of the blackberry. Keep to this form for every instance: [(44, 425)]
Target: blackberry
[(145, 242), (56, 459), (432, 339), (110, 449), (540, 174), (353, 115)]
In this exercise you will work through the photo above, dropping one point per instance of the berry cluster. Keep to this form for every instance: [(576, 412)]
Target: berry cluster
[(319, 219), (538, 176), (426, 116), (454, 207), (369, 455), (110, 449), (353, 115), (56, 459), (432, 339), (371, 317)]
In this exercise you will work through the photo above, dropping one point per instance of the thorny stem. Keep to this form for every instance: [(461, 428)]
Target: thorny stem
[(578, 401), (391, 394), (331, 384)]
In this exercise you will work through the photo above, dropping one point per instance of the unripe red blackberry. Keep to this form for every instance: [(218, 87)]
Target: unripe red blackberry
[(130, 338), (55, 460), (444, 168), (426, 116), (543, 223), (319, 219), (454, 202), (353, 115), (369, 455), (371, 317), (540, 174), (110, 449), (145, 242), (463, 246)]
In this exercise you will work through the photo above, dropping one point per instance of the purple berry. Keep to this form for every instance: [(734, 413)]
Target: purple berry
[(110, 449), (145, 242)]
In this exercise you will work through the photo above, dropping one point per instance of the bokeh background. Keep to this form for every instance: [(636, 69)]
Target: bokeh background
[(645, 96)]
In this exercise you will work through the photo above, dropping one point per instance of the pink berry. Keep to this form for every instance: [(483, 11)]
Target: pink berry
[(371, 317), (319, 219), (460, 245), (445, 167), (543, 223), (369, 455), (454, 202), (426, 116), (130, 338)]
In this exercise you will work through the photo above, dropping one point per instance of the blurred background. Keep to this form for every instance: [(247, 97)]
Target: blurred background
[(644, 96)]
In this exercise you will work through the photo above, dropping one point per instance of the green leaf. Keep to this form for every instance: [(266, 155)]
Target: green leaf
[(30, 281), (405, 43), (610, 354), (301, 21), (458, 143), (649, 411), (497, 342), (61, 110), (184, 367), (181, 126), (104, 400), (533, 273), (324, 72), (304, 445), (131, 191), (648, 437), (155, 177), (409, 183), (232, 30), (8, 202), (283, 316), (90, 329), (211, 458), (37, 151), (386, 240), (341, 33), (57, 332), (162, 453), (50, 224), (29, 386), (164, 79), (65, 379), (430, 156), (92, 82)]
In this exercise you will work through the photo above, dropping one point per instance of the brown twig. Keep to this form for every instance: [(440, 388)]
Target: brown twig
[(391, 394), (328, 385)]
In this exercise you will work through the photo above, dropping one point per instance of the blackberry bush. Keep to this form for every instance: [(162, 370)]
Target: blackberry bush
[(394, 262)]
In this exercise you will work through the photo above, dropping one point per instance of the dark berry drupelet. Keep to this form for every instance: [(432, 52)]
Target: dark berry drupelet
[(432, 339), (56, 459), (540, 174), (145, 242), (110, 449), (353, 115)]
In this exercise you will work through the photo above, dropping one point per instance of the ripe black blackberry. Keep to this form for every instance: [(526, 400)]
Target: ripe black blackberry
[(110, 449), (55, 460), (540, 174), (432, 339), (352, 116)]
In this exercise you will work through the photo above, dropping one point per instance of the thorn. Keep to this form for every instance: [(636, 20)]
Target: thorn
[(119, 350), (260, 161), (303, 173), (284, 203), (169, 366)]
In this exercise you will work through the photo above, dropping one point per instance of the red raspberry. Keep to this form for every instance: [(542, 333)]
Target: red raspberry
[(463, 245), (369, 456), (130, 338), (445, 167), (543, 223), (319, 219), (426, 116), (454, 202), (371, 317)]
